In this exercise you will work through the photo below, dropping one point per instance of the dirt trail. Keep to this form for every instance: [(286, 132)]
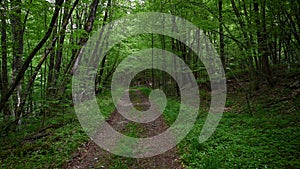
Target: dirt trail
[(91, 155)]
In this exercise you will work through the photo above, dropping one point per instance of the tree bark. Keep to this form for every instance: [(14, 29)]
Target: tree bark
[(50, 49), (222, 44), (59, 53), (262, 42), (17, 51), (71, 67), (4, 76), (99, 80), (32, 54), (88, 28)]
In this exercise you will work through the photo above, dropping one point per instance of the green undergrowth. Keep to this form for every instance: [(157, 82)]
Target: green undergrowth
[(269, 138), (50, 146), (106, 104), (146, 91)]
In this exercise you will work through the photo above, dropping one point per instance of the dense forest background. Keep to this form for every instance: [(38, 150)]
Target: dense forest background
[(257, 41)]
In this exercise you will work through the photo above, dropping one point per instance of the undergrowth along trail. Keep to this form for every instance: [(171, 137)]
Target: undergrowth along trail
[(90, 155)]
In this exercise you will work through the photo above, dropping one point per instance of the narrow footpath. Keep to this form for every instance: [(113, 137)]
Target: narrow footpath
[(90, 155)]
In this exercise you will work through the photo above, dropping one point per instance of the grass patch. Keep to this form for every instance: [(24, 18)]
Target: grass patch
[(269, 139), (49, 151), (50, 146)]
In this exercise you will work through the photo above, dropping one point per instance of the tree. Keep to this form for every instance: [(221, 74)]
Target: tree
[(222, 44), (4, 73), (17, 50), (26, 63)]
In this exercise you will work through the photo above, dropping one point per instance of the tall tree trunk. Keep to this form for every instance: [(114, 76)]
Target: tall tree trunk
[(88, 26), (50, 79), (99, 79), (49, 50), (262, 42), (17, 50), (175, 48), (59, 53), (4, 76), (72, 65), (28, 60), (222, 44)]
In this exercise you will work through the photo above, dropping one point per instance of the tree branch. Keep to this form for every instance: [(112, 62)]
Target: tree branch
[(27, 62)]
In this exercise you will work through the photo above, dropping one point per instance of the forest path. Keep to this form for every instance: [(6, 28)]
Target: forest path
[(91, 155)]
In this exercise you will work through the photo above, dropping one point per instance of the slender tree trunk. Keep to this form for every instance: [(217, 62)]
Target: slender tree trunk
[(88, 26), (163, 43), (99, 80), (175, 48), (262, 42), (72, 65), (59, 53), (222, 44), (47, 51), (17, 50), (50, 81), (4, 76), (27, 62)]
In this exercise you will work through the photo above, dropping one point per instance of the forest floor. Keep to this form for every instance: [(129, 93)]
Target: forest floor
[(264, 134), (91, 155)]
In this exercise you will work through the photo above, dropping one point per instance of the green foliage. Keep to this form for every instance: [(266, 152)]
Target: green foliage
[(49, 132), (171, 112), (105, 103), (49, 151), (266, 140), (54, 148), (145, 91)]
